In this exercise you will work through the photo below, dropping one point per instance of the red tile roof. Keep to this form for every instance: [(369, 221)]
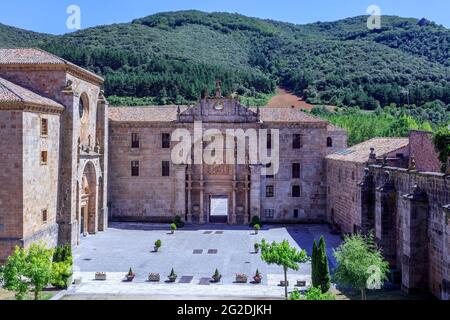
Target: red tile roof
[(12, 93), (32, 56), (169, 114), (360, 152)]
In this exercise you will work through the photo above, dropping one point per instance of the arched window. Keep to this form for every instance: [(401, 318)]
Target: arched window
[(81, 108), (329, 142)]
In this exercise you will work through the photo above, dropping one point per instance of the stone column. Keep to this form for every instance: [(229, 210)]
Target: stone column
[(386, 219), (202, 200), (234, 186), (102, 139), (189, 195), (180, 191), (255, 191), (366, 203), (415, 241), (246, 191)]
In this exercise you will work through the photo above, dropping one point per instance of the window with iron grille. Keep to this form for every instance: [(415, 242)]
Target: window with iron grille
[(296, 171), (296, 141), (270, 192), (269, 213), (135, 168), (166, 169), (135, 141), (166, 141), (44, 216), (44, 127), (296, 191)]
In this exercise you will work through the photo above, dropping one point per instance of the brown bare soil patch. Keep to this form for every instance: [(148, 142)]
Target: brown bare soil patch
[(287, 99)]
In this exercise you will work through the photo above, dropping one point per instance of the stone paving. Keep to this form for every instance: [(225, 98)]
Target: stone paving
[(127, 245)]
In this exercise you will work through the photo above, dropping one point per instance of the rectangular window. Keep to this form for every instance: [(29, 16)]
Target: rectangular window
[(296, 213), (135, 168), (296, 141), (296, 171), (44, 127), (44, 159), (269, 141), (166, 141), (270, 213), (44, 216), (296, 191), (2, 227), (269, 170), (269, 192), (135, 141), (166, 169)]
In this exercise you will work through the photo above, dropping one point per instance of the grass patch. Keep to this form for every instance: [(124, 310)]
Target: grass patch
[(45, 295)]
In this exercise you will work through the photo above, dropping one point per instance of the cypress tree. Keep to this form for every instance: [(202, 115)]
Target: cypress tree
[(314, 266), (323, 268)]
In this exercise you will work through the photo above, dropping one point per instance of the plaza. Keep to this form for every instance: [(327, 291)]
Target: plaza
[(194, 253)]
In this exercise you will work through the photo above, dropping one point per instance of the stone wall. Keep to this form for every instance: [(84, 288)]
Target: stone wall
[(412, 227), (11, 201), (421, 147)]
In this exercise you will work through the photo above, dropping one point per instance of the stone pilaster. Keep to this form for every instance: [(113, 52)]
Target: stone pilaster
[(255, 191), (415, 241), (386, 219), (180, 191), (366, 203)]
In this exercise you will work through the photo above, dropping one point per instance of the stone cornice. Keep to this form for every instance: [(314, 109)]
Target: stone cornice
[(65, 67), (30, 107)]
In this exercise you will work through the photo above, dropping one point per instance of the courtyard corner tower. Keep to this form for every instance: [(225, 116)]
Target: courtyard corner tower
[(53, 117)]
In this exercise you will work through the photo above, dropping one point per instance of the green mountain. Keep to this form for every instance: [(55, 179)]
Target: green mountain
[(172, 57)]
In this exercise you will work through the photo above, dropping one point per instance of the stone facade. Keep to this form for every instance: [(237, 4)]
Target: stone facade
[(411, 225), (48, 168), (188, 189)]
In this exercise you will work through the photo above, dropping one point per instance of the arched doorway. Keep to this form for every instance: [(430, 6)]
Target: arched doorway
[(88, 213)]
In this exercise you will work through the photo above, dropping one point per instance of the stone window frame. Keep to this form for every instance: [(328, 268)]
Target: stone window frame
[(165, 168), (270, 191), (84, 101), (135, 140), (269, 213), (296, 194), (165, 140), (296, 176), (44, 157), (297, 140), (269, 141), (135, 168), (329, 142), (44, 215), (44, 127)]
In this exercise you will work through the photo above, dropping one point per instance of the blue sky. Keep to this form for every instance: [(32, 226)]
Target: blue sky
[(50, 16)]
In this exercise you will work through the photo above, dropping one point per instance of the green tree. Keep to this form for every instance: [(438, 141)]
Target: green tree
[(13, 274), (282, 254), (314, 266), (323, 268), (441, 141), (39, 267), (357, 258)]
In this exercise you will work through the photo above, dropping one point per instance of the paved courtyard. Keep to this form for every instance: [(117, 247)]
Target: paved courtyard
[(194, 253)]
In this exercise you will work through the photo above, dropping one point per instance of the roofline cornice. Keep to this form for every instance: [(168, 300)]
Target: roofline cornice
[(31, 107), (66, 67)]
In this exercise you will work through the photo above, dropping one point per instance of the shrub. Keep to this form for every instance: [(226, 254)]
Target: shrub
[(257, 227), (178, 221), (173, 227), (62, 266), (313, 294), (158, 243), (172, 274), (255, 220)]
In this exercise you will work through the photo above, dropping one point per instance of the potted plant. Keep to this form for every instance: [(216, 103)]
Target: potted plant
[(172, 276), (100, 276), (257, 227), (216, 276), (258, 277), (158, 245), (173, 228), (241, 278), (256, 247), (154, 277), (130, 275)]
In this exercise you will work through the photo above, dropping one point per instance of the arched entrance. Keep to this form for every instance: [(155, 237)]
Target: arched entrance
[(88, 213)]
